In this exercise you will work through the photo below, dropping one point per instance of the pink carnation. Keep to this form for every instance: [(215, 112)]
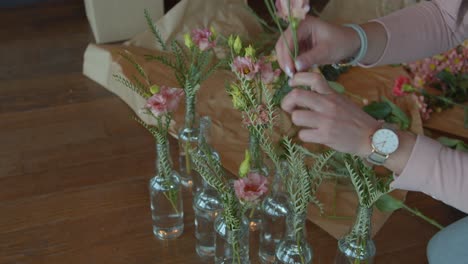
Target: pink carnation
[(398, 86), (245, 67), (203, 39), (267, 73), (167, 100), (251, 188), (299, 8)]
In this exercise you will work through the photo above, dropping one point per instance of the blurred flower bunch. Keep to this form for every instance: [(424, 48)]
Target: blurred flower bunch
[(437, 83)]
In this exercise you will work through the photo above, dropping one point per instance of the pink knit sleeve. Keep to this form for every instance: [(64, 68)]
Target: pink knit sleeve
[(437, 171), (421, 31)]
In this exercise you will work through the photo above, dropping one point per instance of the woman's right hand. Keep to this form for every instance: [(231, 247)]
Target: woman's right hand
[(319, 43)]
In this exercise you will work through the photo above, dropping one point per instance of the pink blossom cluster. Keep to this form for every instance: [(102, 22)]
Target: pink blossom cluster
[(425, 71), (249, 69), (424, 110), (165, 101), (203, 38), (251, 188)]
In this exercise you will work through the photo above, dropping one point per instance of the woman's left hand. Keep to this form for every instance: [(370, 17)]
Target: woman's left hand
[(328, 118)]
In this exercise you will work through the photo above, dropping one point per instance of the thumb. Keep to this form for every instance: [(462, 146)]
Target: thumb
[(316, 55)]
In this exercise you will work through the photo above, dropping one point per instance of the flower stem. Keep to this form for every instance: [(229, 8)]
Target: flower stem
[(421, 215)]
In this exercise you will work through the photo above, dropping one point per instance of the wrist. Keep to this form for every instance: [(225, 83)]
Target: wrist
[(353, 43)]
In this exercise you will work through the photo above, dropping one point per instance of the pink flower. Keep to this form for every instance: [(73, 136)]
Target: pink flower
[(251, 188), (167, 100), (266, 71), (203, 39), (299, 8), (245, 67), (398, 86), (259, 114), (422, 106)]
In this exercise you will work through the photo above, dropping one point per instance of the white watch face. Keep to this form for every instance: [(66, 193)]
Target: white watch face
[(385, 141)]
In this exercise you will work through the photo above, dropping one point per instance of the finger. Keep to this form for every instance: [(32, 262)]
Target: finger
[(283, 53), (306, 118), (314, 80), (314, 56), (299, 98), (311, 136)]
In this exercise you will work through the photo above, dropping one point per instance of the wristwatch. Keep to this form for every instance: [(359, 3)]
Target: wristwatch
[(384, 142)]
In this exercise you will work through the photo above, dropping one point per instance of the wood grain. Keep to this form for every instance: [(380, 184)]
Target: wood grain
[(74, 165)]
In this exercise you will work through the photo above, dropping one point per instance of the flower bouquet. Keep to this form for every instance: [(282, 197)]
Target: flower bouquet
[(437, 83), (192, 65), (231, 226), (165, 192)]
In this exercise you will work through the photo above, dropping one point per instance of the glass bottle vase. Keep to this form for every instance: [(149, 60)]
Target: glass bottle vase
[(207, 206), (256, 165), (204, 138), (357, 246), (294, 248), (166, 197), (188, 139), (231, 246), (275, 210)]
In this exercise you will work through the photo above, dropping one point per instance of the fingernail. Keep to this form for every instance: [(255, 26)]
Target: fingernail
[(299, 65), (290, 82), (288, 72)]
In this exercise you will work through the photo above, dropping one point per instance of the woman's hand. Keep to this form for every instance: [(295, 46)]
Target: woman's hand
[(328, 118), (319, 43)]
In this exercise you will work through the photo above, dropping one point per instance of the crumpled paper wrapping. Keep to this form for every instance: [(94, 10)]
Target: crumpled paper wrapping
[(228, 136)]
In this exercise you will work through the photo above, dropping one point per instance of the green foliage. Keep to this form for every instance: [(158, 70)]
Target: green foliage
[(211, 170), (378, 110), (369, 187), (331, 73), (454, 143), (155, 30), (303, 183)]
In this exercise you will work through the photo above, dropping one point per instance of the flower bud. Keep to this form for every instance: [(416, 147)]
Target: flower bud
[(188, 40), (237, 45), (154, 89), (245, 165)]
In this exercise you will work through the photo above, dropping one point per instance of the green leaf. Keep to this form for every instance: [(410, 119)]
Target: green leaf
[(454, 143), (448, 142), (399, 114), (386, 203), (337, 87), (447, 77), (378, 110)]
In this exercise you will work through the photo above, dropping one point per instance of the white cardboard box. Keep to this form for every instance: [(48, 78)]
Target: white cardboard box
[(116, 20)]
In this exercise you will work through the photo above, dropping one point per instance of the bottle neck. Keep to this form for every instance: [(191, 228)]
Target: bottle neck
[(279, 178), (256, 159), (297, 226), (163, 159), (363, 224), (190, 111)]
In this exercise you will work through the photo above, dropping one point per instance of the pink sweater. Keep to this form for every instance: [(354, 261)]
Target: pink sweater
[(413, 33)]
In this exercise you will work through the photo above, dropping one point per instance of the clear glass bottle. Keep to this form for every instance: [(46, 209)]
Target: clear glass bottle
[(204, 137), (188, 139), (357, 246), (207, 206), (256, 165), (166, 197), (275, 211), (231, 246), (294, 248)]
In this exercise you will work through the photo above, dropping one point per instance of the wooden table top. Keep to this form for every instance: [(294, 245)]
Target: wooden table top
[(74, 166)]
